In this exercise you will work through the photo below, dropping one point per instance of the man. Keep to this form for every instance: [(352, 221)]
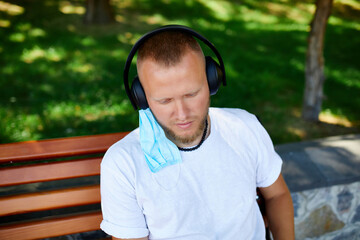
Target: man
[(218, 157)]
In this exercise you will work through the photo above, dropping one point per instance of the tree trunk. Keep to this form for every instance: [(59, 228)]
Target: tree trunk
[(314, 70), (98, 12)]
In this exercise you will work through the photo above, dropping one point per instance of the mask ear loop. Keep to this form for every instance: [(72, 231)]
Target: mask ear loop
[(168, 178)]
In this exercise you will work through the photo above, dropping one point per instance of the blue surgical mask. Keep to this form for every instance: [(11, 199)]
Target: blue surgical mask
[(158, 149)]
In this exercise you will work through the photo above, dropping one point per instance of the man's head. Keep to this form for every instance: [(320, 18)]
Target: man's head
[(171, 68)]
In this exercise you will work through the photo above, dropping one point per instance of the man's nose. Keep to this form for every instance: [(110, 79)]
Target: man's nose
[(182, 110)]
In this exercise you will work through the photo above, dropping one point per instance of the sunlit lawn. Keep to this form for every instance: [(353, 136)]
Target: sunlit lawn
[(61, 78)]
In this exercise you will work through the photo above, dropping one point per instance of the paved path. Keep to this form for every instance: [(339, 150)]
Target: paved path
[(321, 163)]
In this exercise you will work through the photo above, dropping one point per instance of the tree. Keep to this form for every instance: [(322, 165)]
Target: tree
[(98, 12), (314, 70)]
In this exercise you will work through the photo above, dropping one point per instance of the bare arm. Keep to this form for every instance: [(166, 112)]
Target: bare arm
[(145, 238), (279, 210)]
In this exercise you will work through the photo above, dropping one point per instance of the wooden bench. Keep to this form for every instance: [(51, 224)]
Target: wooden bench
[(53, 161), (36, 163)]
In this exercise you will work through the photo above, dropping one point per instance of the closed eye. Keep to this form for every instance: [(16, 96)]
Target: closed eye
[(191, 94), (165, 101)]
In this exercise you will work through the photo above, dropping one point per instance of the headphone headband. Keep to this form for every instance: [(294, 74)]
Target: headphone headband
[(178, 28)]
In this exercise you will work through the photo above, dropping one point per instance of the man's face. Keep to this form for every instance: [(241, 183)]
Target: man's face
[(178, 96)]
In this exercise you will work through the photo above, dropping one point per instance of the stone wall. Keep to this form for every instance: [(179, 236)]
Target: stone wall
[(324, 180), (331, 213)]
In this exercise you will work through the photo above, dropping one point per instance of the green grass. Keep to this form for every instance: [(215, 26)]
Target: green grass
[(61, 78)]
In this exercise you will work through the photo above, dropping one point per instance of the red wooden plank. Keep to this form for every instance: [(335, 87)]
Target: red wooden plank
[(60, 147), (49, 171), (33, 202), (52, 228)]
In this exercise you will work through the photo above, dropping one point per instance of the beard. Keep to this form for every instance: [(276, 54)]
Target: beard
[(186, 139), (171, 135)]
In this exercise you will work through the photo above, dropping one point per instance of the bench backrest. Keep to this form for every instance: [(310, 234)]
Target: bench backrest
[(37, 162)]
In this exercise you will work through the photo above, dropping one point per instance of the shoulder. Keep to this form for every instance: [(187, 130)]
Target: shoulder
[(237, 123), (233, 115), (129, 142), (123, 152)]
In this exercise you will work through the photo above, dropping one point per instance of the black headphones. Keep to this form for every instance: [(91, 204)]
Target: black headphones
[(215, 72)]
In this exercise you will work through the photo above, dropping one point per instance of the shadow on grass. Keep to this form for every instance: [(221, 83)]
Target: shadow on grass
[(60, 78)]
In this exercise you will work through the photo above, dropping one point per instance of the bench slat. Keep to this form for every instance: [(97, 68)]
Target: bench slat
[(56, 148), (33, 202), (49, 171), (52, 228), (80, 166)]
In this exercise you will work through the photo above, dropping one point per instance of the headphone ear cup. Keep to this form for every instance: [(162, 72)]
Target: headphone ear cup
[(138, 94), (214, 75)]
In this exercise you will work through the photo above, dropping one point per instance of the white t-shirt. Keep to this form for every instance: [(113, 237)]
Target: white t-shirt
[(210, 195)]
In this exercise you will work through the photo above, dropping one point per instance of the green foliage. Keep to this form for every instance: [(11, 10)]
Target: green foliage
[(61, 78)]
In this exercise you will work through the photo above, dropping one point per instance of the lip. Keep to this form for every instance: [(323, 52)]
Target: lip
[(184, 125)]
